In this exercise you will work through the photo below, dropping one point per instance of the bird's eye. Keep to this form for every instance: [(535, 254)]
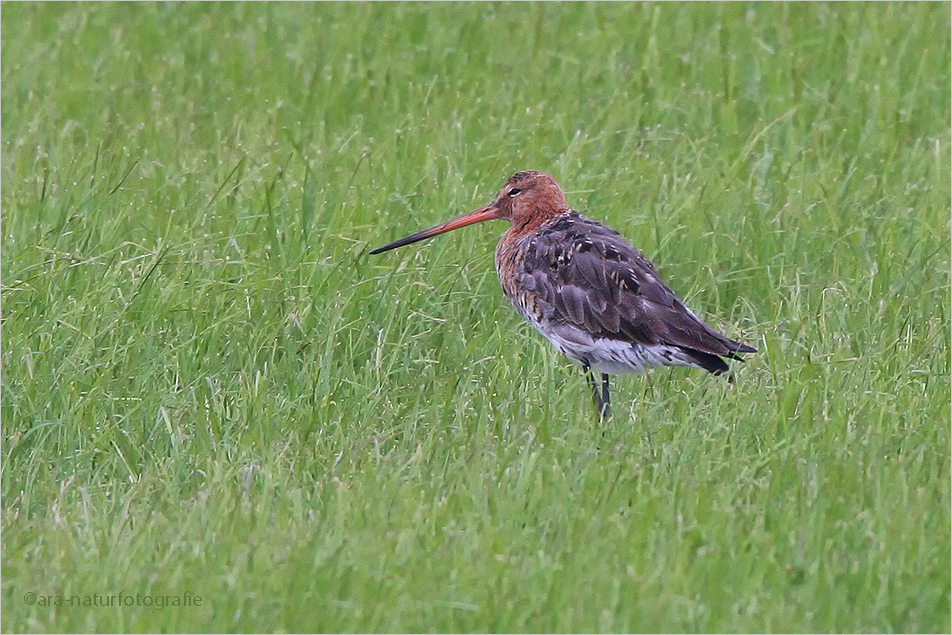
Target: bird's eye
[(514, 192)]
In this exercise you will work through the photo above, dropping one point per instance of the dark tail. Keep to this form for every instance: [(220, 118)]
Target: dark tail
[(708, 361), (713, 363)]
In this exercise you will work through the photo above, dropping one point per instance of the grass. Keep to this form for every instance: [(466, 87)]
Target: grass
[(208, 386)]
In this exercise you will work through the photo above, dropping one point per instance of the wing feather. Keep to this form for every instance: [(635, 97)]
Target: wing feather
[(586, 275)]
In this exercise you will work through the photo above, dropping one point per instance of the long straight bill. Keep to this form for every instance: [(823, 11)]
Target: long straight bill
[(484, 213)]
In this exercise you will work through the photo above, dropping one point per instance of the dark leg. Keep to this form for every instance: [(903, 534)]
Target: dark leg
[(606, 399), (600, 396)]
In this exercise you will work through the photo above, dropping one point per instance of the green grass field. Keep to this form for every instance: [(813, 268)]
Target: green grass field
[(209, 387)]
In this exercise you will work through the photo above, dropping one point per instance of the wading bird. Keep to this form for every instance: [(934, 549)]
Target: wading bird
[(594, 296)]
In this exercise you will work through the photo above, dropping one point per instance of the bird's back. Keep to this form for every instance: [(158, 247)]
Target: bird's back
[(601, 302)]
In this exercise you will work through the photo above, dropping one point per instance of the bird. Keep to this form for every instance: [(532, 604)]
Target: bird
[(596, 298)]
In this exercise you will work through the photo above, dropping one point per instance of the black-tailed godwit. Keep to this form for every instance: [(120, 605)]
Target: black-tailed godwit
[(594, 296)]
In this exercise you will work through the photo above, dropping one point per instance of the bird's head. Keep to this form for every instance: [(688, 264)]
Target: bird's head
[(527, 200), (527, 197)]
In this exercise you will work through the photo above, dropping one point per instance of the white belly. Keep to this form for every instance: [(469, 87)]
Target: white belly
[(614, 357)]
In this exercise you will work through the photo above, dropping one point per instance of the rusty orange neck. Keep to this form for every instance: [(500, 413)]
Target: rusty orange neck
[(533, 219), (525, 225)]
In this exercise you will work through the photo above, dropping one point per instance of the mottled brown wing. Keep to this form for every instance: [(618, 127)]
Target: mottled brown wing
[(586, 275)]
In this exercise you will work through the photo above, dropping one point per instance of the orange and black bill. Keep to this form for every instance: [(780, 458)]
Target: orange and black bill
[(483, 213)]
